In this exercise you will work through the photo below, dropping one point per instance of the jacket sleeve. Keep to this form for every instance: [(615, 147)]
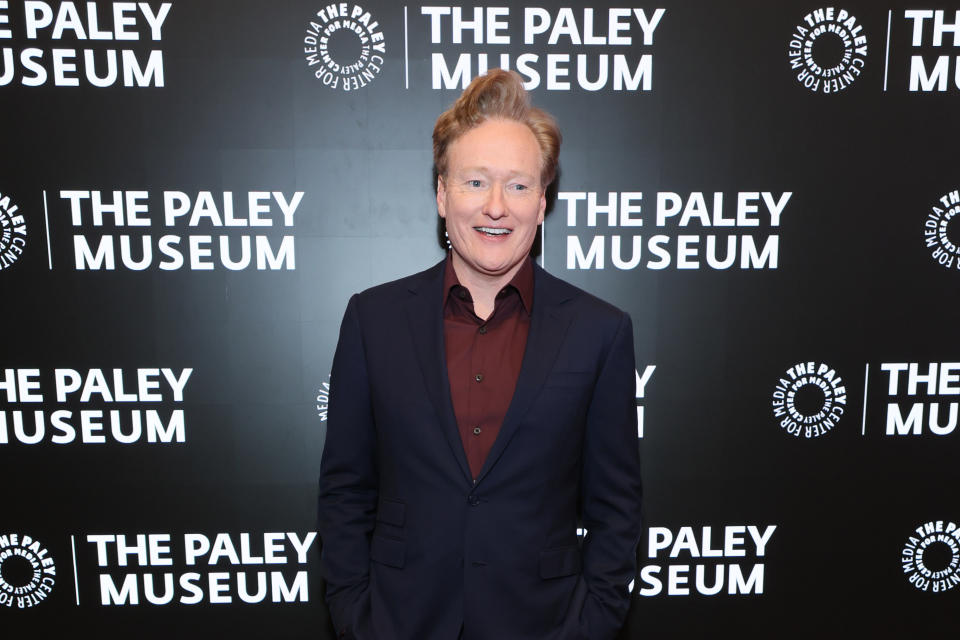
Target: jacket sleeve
[(610, 491), (348, 478)]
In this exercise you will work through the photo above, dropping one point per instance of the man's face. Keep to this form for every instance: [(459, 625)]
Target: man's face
[(491, 198)]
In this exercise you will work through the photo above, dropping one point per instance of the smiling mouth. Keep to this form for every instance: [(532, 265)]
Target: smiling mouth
[(493, 231)]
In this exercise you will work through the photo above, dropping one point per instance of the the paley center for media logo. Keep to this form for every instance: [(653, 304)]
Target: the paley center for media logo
[(827, 50), (942, 238), (809, 399), (344, 46), (931, 556), (323, 399), (27, 571), (13, 231)]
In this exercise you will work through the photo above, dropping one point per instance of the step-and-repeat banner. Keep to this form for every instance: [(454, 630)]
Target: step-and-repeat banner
[(190, 192)]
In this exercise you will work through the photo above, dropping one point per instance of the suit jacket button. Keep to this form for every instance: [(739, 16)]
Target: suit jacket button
[(473, 500)]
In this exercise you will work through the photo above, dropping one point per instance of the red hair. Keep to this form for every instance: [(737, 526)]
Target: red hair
[(497, 95)]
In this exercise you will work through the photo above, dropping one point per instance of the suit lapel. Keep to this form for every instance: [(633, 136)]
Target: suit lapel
[(548, 326), (424, 311)]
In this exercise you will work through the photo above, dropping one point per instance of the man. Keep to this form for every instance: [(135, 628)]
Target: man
[(481, 411)]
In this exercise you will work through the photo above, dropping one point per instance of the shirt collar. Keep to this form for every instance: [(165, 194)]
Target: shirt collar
[(522, 281)]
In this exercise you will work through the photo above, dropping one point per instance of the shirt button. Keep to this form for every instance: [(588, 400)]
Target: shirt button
[(476, 431), (478, 377), (483, 329)]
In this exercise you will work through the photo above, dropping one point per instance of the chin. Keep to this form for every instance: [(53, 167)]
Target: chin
[(499, 268)]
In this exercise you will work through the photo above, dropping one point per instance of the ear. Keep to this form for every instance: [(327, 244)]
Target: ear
[(543, 207), (441, 196)]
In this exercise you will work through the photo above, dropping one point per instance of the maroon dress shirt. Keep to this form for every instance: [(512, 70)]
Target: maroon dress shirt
[(484, 357)]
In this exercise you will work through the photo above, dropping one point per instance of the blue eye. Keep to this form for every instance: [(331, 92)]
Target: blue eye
[(474, 183)]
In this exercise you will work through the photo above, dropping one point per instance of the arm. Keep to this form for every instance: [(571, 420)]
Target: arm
[(348, 477), (610, 490)]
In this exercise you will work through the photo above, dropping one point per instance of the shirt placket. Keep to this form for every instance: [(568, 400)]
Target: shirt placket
[(477, 398)]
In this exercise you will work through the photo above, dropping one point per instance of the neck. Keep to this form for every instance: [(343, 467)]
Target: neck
[(483, 287)]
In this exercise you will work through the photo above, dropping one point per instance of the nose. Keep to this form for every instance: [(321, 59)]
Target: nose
[(496, 206)]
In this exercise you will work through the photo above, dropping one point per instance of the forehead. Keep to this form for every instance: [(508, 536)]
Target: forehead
[(504, 145)]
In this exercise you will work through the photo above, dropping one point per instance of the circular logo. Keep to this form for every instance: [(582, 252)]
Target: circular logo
[(27, 572), (13, 232), (940, 236), (323, 400), (344, 47), (931, 557), (809, 399), (828, 50)]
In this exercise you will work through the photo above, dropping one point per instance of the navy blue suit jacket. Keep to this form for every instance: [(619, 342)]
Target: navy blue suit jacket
[(412, 547)]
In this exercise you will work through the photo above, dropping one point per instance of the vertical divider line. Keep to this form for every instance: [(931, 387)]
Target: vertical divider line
[(866, 380), (406, 55), (886, 60), (543, 244), (73, 551), (46, 222)]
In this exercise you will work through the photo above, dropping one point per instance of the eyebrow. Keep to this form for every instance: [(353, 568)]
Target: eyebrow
[(511, 174)]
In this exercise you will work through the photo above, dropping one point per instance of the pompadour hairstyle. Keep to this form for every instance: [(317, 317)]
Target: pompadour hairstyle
[(497, 95)]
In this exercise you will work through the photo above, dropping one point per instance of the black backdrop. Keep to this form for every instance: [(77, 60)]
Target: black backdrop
[(224, 98)]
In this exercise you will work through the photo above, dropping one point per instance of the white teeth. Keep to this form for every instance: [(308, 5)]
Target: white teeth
[(493, 231)]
